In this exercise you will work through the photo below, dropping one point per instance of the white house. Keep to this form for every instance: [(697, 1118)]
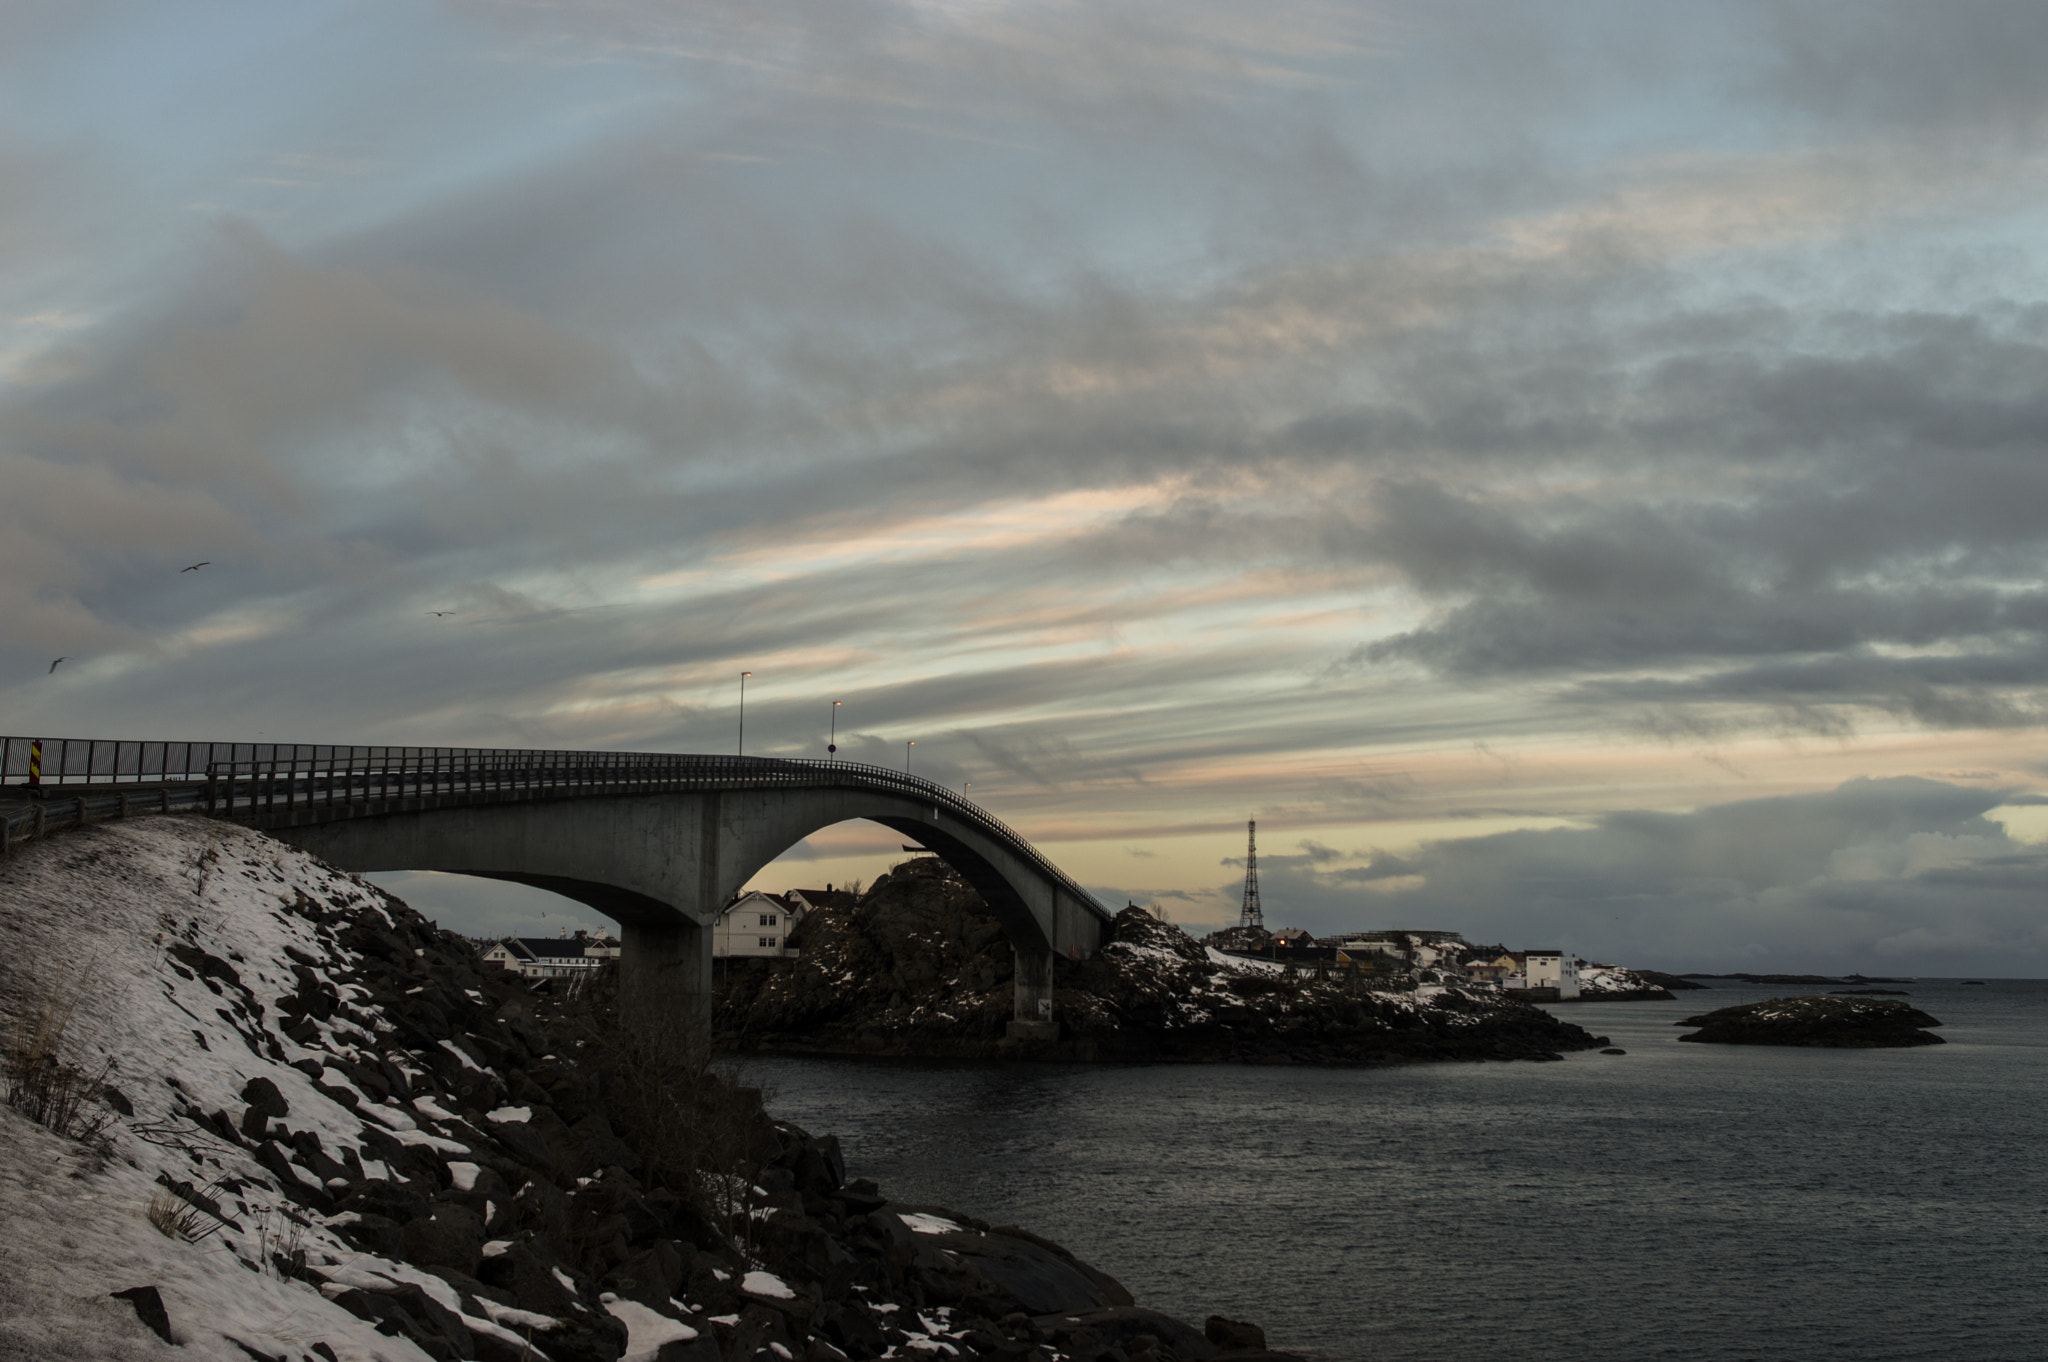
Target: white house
[(545, 957), (756, 925), (1552, 969)]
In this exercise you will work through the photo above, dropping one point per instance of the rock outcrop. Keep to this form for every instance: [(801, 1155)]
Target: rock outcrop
[(919, 968), (1832, 1023), (1615, 984), (1675, 983), (338, 1138)]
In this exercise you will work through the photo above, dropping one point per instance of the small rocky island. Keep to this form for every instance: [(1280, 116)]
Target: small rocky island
[(1832, 1023), (920, 968)]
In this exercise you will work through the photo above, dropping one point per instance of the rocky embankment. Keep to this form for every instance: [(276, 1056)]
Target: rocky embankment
[(1675, 983), (919, 968), (1831, 1023), (1614, 984), (301, 1124)]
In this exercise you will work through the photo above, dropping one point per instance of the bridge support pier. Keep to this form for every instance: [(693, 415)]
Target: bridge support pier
[(665, 981), (1033, 1019)]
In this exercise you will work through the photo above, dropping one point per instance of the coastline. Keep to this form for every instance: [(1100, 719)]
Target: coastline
[(324, 1124)]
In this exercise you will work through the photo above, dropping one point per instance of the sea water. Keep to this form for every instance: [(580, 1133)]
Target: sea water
[(1679, 1201)]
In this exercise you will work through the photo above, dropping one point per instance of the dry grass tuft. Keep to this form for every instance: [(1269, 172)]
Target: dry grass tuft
[(176, 1218), (42, 1083)]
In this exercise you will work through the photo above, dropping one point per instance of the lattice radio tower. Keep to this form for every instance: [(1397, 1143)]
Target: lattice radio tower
[(1251, 915)]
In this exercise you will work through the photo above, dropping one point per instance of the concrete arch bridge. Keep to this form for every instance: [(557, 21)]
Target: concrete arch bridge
[(660, 842)]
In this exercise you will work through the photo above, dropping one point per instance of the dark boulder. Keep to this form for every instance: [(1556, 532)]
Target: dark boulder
[(1234, 1335), (998, 1274), (149, 1308), (449, 1236), (406, 1311), (533, 1277), (265, 1103)]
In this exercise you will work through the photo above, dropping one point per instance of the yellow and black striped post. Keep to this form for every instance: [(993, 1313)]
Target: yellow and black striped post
[(35, 762)]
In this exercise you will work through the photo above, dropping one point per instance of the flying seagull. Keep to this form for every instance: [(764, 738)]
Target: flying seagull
[(53, 665), (440, 612), (196, 566)]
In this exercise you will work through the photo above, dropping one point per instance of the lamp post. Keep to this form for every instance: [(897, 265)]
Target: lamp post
[(742, 750), (906, 755), (832, 743)]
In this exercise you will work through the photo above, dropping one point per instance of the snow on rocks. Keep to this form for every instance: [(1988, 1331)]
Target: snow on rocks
[(766, 1284), (380, 1154), (1615, 983), (929, 1224), (646, 1331)]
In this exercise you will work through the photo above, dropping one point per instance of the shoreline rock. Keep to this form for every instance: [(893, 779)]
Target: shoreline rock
[(1830, 1023), (919, 969)]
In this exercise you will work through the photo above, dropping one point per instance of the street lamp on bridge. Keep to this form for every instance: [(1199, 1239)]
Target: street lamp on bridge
[(832, 743), (742, 749), (906, 755)]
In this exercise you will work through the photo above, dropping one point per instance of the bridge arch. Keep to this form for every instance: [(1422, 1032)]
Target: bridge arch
[(663, 864), (659, 841)]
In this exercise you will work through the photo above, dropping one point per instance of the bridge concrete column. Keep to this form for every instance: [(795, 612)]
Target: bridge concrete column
[(1033, 1019), (665, 980)]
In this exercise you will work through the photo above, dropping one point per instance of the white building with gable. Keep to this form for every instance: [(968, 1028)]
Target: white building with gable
[(756, 925)]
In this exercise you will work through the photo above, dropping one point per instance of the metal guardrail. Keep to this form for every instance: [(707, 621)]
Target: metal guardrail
[(71, 806), (97, 778), (98, 761)]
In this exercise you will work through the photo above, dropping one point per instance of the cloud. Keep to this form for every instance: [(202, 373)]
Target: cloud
[(1834, 881), (1964, 72), (1227, 417)]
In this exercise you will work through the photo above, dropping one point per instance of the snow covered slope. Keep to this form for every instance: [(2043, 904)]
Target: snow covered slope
[(129, 917)]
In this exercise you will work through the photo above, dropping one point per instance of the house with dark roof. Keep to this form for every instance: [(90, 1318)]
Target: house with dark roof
[(550, 957)]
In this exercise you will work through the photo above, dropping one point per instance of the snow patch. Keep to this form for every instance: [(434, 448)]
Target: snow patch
[(646, 1331), (921, 1223), (766, 1284)]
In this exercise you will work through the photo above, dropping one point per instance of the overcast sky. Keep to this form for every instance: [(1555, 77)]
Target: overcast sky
[(1575, 472)]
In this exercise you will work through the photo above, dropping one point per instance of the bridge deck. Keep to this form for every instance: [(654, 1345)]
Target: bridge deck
[(277, 785)]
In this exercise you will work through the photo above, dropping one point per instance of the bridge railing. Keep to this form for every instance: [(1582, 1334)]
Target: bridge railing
[(107, 761), (249, 779), (341, 776)]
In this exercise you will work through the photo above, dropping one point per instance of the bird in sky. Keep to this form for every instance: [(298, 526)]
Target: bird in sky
[(196, 566), (440, 612), (53, 665)]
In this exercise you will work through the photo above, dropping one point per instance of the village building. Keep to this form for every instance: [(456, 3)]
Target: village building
[(1551, 976), (804, 902), (1491, 971), (550, 957), (1412, 946), (756, 925)]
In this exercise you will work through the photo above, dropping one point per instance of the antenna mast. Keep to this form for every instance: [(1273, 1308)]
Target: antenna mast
[(1251, 915)]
